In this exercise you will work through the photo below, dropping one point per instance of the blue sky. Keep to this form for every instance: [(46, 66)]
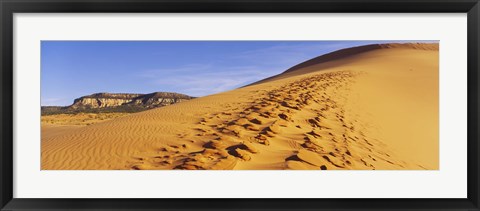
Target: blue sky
[(70, 69)]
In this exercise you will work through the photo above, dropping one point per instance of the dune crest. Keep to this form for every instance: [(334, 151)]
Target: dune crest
[(373, 109), (340, 54), (348, 52)]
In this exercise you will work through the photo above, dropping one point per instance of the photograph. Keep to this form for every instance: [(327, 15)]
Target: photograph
[(239, 105)]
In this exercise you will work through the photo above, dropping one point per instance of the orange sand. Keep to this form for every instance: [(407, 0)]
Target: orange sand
[(80, 118)]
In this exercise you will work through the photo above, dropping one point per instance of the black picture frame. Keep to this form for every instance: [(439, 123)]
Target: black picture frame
[(9, 7)]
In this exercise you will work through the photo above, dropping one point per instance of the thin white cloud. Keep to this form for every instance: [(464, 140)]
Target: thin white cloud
[(200, 80), (213, 80), (183, 69), (51, 101)]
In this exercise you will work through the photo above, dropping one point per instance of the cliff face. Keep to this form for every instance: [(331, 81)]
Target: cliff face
[(98, 102), (157, 99), (106, 100), (117, 102)]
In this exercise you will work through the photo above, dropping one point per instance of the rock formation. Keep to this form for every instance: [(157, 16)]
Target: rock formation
[(118, 102), (103, 100)]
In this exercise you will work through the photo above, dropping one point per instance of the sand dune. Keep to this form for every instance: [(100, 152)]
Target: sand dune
[(372, 108), (79, 118)]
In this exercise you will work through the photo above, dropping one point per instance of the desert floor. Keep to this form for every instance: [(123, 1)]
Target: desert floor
[(372, 110)]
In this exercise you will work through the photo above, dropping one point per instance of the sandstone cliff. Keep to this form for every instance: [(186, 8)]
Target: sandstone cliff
[(118, 102), (103, 100)]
